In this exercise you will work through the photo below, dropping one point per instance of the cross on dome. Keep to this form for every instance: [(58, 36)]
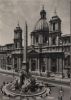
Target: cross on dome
[(55, 12)]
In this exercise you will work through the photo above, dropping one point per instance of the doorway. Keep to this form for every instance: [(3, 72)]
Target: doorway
[(53, 65)]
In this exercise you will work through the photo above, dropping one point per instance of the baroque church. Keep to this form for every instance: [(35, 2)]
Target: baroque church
[(49, 51)]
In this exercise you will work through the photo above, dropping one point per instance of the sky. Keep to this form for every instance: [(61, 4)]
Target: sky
[(14, 11)]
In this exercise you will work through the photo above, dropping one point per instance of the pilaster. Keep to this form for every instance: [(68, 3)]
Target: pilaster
[(49, 41), (60, 65), (57, 65), (49, 69)]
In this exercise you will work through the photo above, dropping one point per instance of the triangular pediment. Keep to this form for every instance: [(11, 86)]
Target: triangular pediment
[(33, 52)]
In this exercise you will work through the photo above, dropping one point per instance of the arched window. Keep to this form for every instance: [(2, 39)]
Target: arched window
[(53, 26), (37, 39)]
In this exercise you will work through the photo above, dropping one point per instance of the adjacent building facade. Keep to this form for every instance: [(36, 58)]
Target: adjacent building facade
[(49, 50)]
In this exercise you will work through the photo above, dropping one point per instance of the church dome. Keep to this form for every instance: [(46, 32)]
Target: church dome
[(42, 22), (41, 25)]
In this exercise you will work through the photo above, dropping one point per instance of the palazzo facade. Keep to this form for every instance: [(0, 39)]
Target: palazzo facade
[(49, 50)]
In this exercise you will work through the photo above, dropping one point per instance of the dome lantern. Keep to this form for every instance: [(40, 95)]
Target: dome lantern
[(43, 13)]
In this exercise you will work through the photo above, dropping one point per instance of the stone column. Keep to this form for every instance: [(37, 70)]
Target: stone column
[(63, 63), (46, 64), (18, 63), (32, 40), (6, 63), (30, 65), (60, 65), (57, 40), (19, 59), (49, 67), (49, 41), (38, 64), (57, 65), (13, 63)]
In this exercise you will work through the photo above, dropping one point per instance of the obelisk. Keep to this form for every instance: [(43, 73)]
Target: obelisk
[(24, 64)]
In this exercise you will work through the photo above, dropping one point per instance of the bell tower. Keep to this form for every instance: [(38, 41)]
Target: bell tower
[(55, 30), (17, 53), (18, 37)]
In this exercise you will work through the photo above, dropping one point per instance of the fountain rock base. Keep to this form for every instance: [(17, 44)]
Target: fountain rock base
[(25, 87)]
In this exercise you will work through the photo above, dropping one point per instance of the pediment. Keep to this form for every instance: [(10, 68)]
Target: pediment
[(32, 52)]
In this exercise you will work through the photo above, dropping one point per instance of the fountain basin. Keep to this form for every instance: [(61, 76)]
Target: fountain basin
[(7, 90)]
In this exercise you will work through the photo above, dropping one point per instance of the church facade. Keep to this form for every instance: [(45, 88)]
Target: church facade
[(49, 51)]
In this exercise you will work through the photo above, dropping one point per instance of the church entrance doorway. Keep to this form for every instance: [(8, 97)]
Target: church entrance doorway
[(33, 64)]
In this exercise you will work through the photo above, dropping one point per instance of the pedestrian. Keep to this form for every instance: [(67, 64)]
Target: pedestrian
[(1, 89), (3, 83), (47, 91), (50, 91)]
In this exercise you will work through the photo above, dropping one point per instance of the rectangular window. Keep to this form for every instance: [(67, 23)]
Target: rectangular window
[(15, 45), (36, 39), (53, 26)]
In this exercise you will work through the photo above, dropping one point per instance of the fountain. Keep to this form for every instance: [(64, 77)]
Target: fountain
[(25, 85)]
